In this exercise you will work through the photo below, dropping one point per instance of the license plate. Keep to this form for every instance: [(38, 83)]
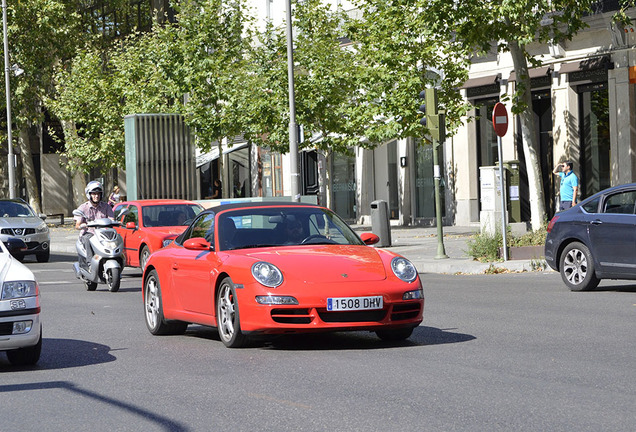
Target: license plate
[(354, 303)]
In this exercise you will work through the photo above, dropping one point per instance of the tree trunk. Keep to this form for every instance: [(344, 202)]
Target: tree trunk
[(28, 170), (529, 138)]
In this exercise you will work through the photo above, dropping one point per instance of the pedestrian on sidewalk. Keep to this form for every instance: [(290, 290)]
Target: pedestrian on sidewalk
[(569, 184)]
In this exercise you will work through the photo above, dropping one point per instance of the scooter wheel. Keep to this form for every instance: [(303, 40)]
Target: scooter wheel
[(113, 278), (91, 286)]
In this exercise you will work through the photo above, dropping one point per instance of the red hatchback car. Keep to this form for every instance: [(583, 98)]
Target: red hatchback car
[(275, 268), (151, 224)]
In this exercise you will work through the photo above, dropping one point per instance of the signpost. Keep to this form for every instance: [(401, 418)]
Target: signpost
[(500, 123)]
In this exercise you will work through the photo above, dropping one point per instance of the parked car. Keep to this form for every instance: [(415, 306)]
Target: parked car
[(274, 268), (20, 326), (595, 240), (151, 224), (17, 219)]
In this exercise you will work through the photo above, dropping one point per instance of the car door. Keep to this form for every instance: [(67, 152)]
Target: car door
[(191, 269), (613, 234), (131, 236)]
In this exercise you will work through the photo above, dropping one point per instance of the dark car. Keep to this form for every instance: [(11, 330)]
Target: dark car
[(595, 240)]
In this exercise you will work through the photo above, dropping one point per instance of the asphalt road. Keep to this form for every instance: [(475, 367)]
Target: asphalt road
[(494, 353)]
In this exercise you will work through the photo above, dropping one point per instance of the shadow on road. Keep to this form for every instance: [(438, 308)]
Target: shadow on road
[(65, 353), (421, 336), (163, 422)]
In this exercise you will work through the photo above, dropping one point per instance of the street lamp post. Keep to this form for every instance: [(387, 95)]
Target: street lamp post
[(293, 128), (7, 70)]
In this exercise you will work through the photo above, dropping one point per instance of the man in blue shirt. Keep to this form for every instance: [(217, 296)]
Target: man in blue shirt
[(569, 184)]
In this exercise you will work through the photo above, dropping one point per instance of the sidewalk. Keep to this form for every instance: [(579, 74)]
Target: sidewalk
[(418, 244)]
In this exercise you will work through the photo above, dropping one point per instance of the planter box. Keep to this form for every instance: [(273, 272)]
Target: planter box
[(524, 252)]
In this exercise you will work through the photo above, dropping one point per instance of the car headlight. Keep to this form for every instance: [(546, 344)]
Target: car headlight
[(267, 274), (18, 289), (276, 300), (166, 242), (42, 228), (403, 269)]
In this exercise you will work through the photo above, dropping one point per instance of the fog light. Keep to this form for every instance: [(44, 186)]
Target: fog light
[(413, 295), (21, 327), (276, 300)]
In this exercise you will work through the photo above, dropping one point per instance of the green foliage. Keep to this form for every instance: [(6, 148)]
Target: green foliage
[(485, 247), (534, 238)]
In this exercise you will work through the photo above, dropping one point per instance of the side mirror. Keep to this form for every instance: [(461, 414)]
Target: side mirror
[(131, 225), (369, 238), (197, 243), (42, 216)]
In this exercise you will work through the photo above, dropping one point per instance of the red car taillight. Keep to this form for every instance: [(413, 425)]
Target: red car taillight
[(552, 222)]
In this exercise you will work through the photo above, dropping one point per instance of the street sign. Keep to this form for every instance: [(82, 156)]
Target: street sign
[(500, 119)]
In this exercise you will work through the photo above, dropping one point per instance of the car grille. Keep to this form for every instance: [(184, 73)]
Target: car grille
[(18, 231), (353, 316), (405, 311), (291, 316), (6, 328)]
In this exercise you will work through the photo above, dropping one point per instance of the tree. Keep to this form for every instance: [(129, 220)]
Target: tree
[(509, 26), (41, 33)]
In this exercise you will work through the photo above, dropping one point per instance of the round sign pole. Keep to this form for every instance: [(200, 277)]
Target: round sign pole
[(500, 123)]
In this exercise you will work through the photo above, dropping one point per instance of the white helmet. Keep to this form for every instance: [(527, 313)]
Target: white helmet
[(93, 186)]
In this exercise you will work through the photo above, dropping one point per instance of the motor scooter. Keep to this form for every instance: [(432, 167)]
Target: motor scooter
[(107, 261)]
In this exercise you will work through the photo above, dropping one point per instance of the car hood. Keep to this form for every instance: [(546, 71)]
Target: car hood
[(12, 269), (324, 263), (20, 222)]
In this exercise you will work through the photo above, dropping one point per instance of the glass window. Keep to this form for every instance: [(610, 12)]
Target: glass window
[(424, 183), (595, 141), (132, 215), (343, 185), (592, 206), (202, 227), (621, 203)]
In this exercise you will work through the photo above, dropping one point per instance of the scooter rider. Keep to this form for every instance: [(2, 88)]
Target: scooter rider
[(94, 208)]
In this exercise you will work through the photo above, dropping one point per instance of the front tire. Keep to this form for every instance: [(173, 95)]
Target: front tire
[(227, 316), (26, 356), (153, 308), (577, 268), (43, 256), (113, 279)]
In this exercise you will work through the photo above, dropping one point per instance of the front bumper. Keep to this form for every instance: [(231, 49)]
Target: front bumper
[(9, 341), (311, 315)]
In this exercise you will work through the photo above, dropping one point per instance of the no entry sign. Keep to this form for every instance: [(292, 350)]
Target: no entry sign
[(500, 119)]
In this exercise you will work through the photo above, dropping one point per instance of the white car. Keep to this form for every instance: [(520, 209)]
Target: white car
[(20, 326), (17, 219)]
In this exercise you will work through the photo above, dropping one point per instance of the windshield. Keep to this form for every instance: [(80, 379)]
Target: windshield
[(169, 214), (15, 209), (282, 226)]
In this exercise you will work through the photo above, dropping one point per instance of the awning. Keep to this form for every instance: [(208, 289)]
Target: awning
[(539, 72), (481, 81), (213, 154), (587, 64)]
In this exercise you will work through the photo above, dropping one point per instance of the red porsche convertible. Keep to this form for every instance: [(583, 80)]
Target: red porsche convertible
[(274, 268), (151, 224)]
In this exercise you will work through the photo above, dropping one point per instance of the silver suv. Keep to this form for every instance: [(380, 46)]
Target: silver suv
[(17, 219)]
